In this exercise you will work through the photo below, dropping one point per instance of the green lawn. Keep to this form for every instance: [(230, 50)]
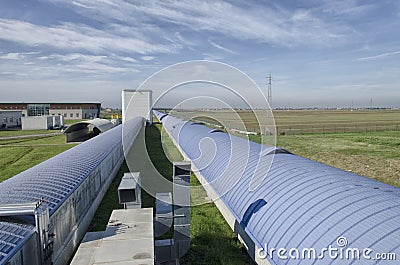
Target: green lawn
[(68, 122), (21, 154), (306, 121), (9, 133), (373, 154)]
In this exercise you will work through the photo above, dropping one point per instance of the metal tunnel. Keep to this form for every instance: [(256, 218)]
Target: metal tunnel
[(300, 204)]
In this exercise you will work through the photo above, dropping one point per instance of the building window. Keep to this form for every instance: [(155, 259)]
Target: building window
[(71, 115), (11, 119), (65, 115), (38, 109), (77, 115)]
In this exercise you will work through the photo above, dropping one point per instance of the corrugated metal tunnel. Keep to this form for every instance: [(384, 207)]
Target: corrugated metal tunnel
[(71, 185), (299, 204)]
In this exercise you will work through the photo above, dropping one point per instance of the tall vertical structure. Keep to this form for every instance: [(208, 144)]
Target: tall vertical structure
[(269, 96), (137, 103)]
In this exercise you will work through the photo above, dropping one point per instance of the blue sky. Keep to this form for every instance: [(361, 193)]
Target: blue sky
[(320, 53)]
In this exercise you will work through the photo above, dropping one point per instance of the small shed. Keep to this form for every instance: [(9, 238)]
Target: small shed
[(46, 122)]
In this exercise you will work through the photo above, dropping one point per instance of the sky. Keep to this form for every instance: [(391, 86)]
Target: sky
[(319, 53)]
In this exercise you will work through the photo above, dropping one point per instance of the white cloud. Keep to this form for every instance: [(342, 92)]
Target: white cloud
[(81, 4), (211, 57), (147, 58), (12, 56), (265, 24), (346, 7), (71, 36), (16, 55), (216, 45), (95, 64), (379, 56)]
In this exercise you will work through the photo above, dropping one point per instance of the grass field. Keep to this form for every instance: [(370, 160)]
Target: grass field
[(307, 121), (68, 122), (20, 154), (373, 154), (8, 133)]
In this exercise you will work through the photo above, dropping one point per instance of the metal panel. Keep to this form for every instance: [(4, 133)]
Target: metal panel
[(300, 203), (129, 188), (140, 103), (163, 220), (181, 195)]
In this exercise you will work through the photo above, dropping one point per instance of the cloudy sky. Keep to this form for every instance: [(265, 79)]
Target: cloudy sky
[(320, 53)]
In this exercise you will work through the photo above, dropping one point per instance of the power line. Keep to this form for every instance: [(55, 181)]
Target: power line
[(269, 96)]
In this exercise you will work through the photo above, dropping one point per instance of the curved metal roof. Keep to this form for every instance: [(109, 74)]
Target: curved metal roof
[(54, 180), (300, 203), (101, 124)]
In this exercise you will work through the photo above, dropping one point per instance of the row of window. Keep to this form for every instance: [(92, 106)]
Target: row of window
[(71, 115), (58, 107), (11, 107), (6, 119), (10, 120), (77, 115)]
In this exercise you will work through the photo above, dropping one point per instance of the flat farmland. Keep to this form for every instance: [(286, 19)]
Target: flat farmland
[(305, 121), (374, 155)]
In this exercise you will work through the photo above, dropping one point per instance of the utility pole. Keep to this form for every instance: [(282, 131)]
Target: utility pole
[(269, 96)]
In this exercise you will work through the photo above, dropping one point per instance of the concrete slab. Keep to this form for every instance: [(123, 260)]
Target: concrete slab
[(113, 251), (128, 240), (137, 262), (86, 250), (129, 231), (132, 215)]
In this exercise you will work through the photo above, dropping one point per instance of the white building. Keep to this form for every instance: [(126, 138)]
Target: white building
[(137, 103), (69, 110), (42, 122)]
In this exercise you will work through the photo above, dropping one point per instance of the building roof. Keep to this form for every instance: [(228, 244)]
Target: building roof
[(138, 90), (50, 102), (299, 203)]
